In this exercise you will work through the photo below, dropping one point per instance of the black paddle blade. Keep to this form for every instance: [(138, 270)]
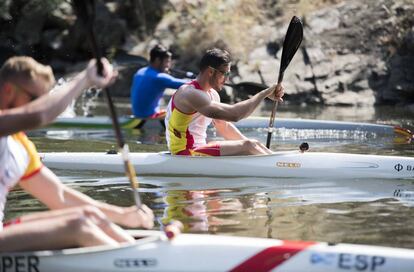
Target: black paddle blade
[(293, 39), (85, 10)]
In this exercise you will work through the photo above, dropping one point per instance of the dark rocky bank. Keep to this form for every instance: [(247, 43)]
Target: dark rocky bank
[(354, 52)]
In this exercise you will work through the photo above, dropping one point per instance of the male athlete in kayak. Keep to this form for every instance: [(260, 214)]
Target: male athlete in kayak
[(150, 82), (75, 219), (196, 104)]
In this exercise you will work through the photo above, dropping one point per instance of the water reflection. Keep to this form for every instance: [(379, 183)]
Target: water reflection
[(362, 211), (201, 210), (288, 191), (157, 135), (358, 211)]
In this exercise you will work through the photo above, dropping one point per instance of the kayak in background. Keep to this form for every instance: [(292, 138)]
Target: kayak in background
[(125, 122), (129, 122), (291, 164)]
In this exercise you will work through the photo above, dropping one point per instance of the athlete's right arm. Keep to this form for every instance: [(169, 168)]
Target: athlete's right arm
[(233, 113), (48, 189), (46, 108), (169, 81)]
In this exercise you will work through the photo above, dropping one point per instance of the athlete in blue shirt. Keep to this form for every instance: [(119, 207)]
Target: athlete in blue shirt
[(149, 84)]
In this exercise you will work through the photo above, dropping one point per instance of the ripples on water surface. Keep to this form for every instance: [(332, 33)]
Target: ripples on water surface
[(368, 211)]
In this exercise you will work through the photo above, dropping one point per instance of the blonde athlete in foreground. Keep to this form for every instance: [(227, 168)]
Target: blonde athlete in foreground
[(76, 219), (196, 104)]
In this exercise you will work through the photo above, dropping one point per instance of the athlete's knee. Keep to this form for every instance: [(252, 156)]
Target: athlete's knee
[(96, 216), (76, 222), (84, 216), (250, 145), (81, 228), (90, 211), (78, 226)]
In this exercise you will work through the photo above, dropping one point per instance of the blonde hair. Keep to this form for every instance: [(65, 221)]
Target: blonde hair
[(25, 70)]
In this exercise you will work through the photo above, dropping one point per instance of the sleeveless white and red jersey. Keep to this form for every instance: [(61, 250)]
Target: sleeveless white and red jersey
[(18, 161), (187, 131)]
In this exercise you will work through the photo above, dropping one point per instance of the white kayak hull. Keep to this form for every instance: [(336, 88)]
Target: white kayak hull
[(201, 252), (128, 122), (280, 164)]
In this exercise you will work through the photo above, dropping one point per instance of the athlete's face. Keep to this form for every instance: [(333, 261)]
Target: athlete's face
[(165, 64), (16, 95), (162, 64), (219, 76)]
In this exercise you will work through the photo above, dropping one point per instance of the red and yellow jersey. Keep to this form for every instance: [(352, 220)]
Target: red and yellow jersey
[(19, 160), (187, 131)]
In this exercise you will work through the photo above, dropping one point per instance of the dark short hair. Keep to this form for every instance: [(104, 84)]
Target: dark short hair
[(159, 52), (215, 58)]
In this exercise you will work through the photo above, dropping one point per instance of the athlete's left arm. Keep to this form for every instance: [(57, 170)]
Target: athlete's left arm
[(46, 187), (44, 109), (169, 81), (228, 130)]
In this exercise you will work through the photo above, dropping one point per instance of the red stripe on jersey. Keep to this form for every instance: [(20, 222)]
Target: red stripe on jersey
[(185, 152), (14, 221), (190, 139), (196, 85), (210, 150), (32, 173)]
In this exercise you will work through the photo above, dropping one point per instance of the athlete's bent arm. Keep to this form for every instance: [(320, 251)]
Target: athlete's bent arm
[(47, 107), (46, 187), (233, 113), (169, 81)]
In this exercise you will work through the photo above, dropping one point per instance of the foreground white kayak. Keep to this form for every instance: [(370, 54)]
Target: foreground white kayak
[(201, 252), (280, 164), (128, 122)]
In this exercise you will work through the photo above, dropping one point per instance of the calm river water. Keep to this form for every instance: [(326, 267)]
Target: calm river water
[(378, 212)]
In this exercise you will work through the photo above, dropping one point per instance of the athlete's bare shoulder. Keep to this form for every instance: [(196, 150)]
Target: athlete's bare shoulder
[(189, 98), (190, 92)]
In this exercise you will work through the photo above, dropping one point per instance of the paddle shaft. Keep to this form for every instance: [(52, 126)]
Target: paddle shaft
[(273, 115), (124, 149), (129, 168)]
